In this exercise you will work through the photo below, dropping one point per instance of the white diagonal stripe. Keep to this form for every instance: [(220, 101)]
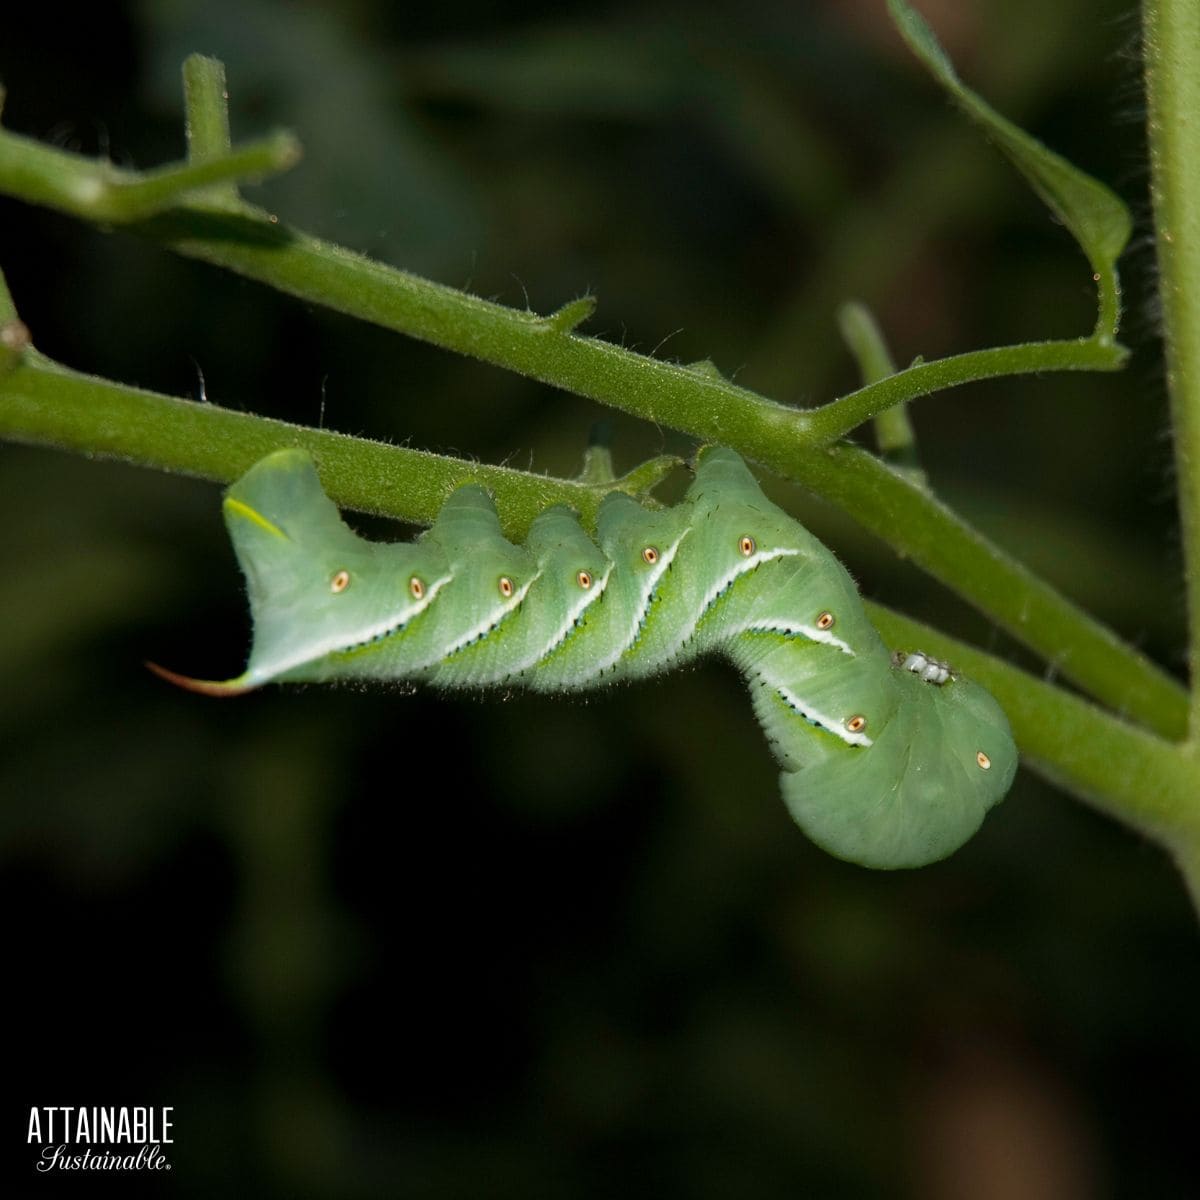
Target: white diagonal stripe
[(826, 722), (726, 581), (575, 611), (492, 619), (649, 583), (385, 627)]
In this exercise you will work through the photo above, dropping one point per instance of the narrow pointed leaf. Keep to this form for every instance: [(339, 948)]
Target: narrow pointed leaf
[(1094, 214)]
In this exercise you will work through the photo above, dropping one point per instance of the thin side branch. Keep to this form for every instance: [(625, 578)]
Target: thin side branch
[(206, 108), (894, 433), (98, 191), (834, 420)]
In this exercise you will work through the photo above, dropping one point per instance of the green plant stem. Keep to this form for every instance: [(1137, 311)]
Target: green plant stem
[(705, 405), (542, 348), (99, 191), (206, 103), (894, 433), (45, 404), (694, 399), (252, 243), (14, 344), (920, 527), (895, 502), (833, 421), (1172, 51), (1124, 772)]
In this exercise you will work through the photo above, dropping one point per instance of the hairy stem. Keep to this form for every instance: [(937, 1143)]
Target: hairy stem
[(694, 399), (833, 421), (543, 348), (43, 403), (1172, 51), (709, 407), (205, 101), (206, 104), (251, 242), (97, 190), (920, 527), (897, 495)]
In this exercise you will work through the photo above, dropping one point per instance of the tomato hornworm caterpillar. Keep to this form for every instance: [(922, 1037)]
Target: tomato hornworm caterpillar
[(888, 761)]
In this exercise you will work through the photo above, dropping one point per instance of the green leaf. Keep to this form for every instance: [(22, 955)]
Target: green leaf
[(1095, 215)]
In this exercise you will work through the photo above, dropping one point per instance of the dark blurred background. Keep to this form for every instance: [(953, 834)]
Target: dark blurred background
[(375, 944)]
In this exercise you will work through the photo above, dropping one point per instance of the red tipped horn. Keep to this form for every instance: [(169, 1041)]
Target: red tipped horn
[(206, 687)]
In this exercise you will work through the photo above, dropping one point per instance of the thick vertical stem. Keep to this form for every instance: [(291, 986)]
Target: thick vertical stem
[(1172, 50)]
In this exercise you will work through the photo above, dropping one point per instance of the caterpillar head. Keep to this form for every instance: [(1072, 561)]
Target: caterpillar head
[(921, 790)]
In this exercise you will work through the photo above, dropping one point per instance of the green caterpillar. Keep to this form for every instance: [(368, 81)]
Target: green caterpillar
[(887, 761)]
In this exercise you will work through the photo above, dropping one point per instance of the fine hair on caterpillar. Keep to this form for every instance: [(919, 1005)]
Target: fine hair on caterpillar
[(888, 760)]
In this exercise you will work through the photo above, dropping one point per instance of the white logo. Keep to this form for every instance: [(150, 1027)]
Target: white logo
[(79, 1138)]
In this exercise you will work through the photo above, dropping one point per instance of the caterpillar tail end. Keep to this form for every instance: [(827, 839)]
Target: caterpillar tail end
[(205, 687)]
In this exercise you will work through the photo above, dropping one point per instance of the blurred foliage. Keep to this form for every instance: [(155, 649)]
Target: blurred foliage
[(372, 943)]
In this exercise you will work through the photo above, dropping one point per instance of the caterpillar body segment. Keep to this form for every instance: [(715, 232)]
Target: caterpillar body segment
[(888, 761)]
